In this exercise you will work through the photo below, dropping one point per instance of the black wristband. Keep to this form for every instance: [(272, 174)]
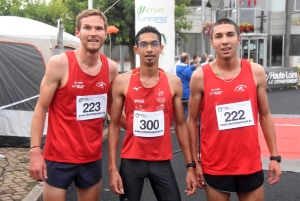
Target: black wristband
[(35, 147)]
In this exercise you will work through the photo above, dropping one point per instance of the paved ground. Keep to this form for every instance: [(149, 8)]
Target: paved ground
[(16, 185)]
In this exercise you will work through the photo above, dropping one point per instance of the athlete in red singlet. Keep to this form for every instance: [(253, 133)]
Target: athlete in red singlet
[(76, 92), (230, 94), (151, 96)]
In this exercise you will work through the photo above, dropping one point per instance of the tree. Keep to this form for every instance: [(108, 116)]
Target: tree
[(38, 10), (122, 15)]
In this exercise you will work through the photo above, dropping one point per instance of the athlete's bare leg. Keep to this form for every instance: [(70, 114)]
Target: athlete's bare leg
[(256, 195), (51, 193), (214, 195), (91, 194)]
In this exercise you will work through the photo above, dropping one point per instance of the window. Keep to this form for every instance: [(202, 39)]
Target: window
[(277, 6), (297, 4), (275, 46), (295, 45)]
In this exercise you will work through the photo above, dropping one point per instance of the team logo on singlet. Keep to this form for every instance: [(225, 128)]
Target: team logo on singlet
[(139, 101), (215, 91), (240, 88), (139, 108), (136, 88), (161, 100), (160, 107), (78, 85), (160, 92), (101, 85)]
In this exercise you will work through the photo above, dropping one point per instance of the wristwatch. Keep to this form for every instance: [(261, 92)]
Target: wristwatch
[(276, 158), (192, 164)]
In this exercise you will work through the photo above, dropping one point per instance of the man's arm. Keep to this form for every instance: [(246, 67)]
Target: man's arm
[(53, 76), (182, 132), (118, 90), (196, 96), (113, 72), (266, 121)]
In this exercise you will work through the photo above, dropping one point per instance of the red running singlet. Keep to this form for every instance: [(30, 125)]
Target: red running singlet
[(236, 150), (68, 139), (141, 99)]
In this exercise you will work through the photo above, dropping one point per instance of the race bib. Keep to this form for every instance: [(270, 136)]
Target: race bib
[(234, 115), (91, 107), (148, 124)]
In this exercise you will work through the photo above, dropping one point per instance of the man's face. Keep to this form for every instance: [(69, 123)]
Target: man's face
[(92, 34), (225, 41), (148, 49)]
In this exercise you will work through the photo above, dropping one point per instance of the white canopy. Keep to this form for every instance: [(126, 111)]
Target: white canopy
[(41, 35)]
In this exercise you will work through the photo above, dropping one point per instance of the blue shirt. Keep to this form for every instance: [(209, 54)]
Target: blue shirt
[(184, 72)]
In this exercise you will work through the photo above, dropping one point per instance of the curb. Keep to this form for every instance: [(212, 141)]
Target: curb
[(36, 194)]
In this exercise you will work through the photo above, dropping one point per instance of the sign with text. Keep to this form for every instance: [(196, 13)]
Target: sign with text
[(159, 14), (281, 77)]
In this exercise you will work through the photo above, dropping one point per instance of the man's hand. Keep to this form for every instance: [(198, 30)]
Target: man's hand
[(116, 183), (199, 175), (191, 182), (274, 172), (37, 165)]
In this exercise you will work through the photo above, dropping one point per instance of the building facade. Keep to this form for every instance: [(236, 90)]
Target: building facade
[(274, 37)]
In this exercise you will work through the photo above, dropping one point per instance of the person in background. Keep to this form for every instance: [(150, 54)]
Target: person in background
[(203, 59), (210, 58), (184, 71), (196, 60)]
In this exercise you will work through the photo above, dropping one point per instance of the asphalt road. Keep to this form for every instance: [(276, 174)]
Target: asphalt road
[(288, 189)]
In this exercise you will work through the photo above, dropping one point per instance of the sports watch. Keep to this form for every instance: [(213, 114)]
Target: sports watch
[(276, 158), (192, 164)]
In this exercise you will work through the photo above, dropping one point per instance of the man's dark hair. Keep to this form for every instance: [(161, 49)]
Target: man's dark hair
[(147, 29), (224, 21), (184, 57)]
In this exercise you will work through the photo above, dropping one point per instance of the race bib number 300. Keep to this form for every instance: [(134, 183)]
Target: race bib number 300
[(148, 124), (91, 107), (234, 115)]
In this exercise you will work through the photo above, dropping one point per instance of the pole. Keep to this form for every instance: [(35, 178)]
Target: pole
[(90, 4), (122, 58), (288, 6), (204, 2), (60, 36)]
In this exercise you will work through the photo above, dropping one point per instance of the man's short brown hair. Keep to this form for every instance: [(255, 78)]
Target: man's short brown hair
[(90, 12)]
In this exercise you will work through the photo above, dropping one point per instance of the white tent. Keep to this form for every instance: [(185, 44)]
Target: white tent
[(25, 47)]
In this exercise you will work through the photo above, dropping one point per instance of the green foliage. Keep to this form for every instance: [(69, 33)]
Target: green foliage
[(34, 9), (121, 15)]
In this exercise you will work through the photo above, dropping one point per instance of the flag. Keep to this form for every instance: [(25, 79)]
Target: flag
[(249, 3)]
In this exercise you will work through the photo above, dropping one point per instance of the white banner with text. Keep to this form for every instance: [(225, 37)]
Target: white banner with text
[(159, 14)]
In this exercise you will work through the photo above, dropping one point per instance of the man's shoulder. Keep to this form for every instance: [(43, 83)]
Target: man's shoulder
[(59, 61)]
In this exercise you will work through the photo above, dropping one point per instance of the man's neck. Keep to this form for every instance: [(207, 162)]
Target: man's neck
[(89, 59), (149, 72)]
